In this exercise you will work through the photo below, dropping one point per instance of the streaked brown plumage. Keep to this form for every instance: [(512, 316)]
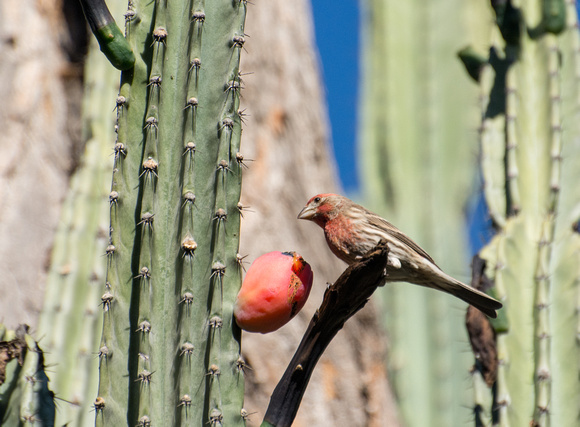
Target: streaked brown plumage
[(351, 231)]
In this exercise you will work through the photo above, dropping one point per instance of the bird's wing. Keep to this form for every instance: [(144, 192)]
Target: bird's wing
[(377, 221)]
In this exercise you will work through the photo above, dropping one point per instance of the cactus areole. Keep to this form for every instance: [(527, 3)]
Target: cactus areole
[(275, 289)]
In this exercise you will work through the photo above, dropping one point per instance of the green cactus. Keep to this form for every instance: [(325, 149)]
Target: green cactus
[(25, 396), (418, 148), (531, 165), (170, 350), (70, 322)]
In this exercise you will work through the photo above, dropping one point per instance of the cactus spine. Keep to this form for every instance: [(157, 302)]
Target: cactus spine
[(170, 350), (530, 162)]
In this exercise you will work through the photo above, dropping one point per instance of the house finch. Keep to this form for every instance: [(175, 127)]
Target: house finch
[(351, 231)]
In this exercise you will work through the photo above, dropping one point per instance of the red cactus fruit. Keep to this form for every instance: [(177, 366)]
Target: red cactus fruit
[(274, 290)]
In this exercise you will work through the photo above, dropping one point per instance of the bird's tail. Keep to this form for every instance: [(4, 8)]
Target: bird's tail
[(479, 300)]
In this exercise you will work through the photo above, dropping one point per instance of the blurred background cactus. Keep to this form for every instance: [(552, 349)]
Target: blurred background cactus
[(417, 159), (530, 154), (418, 162), (71, 322)]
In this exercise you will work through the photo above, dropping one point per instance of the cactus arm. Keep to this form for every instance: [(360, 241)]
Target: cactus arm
[(543, 368), (533, 259), (111, 40), (12, 351), (37, 400), (565, 261)]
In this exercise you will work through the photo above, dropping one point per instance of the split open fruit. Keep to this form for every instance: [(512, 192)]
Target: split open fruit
[(274, 290)]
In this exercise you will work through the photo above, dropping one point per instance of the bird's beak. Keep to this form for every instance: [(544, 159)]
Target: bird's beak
[(307, 213)]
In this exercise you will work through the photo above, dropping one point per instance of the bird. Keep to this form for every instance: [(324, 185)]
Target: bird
[(351, 231)]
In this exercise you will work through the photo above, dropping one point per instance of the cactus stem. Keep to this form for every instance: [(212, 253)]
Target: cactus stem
[(172, 253), (492, 144)]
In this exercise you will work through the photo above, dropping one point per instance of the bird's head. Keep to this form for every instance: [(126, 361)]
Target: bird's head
[(321, 208)]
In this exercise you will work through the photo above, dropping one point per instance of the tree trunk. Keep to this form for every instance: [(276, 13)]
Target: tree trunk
[(39, 118)]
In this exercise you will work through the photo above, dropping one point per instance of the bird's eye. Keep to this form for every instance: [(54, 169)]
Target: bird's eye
[(316, 199)]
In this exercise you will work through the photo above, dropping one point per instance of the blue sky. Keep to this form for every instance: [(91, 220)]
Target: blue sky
[(337, 35), (337, 28)]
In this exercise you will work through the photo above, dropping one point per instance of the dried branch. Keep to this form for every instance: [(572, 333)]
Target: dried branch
[(341, 301)]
